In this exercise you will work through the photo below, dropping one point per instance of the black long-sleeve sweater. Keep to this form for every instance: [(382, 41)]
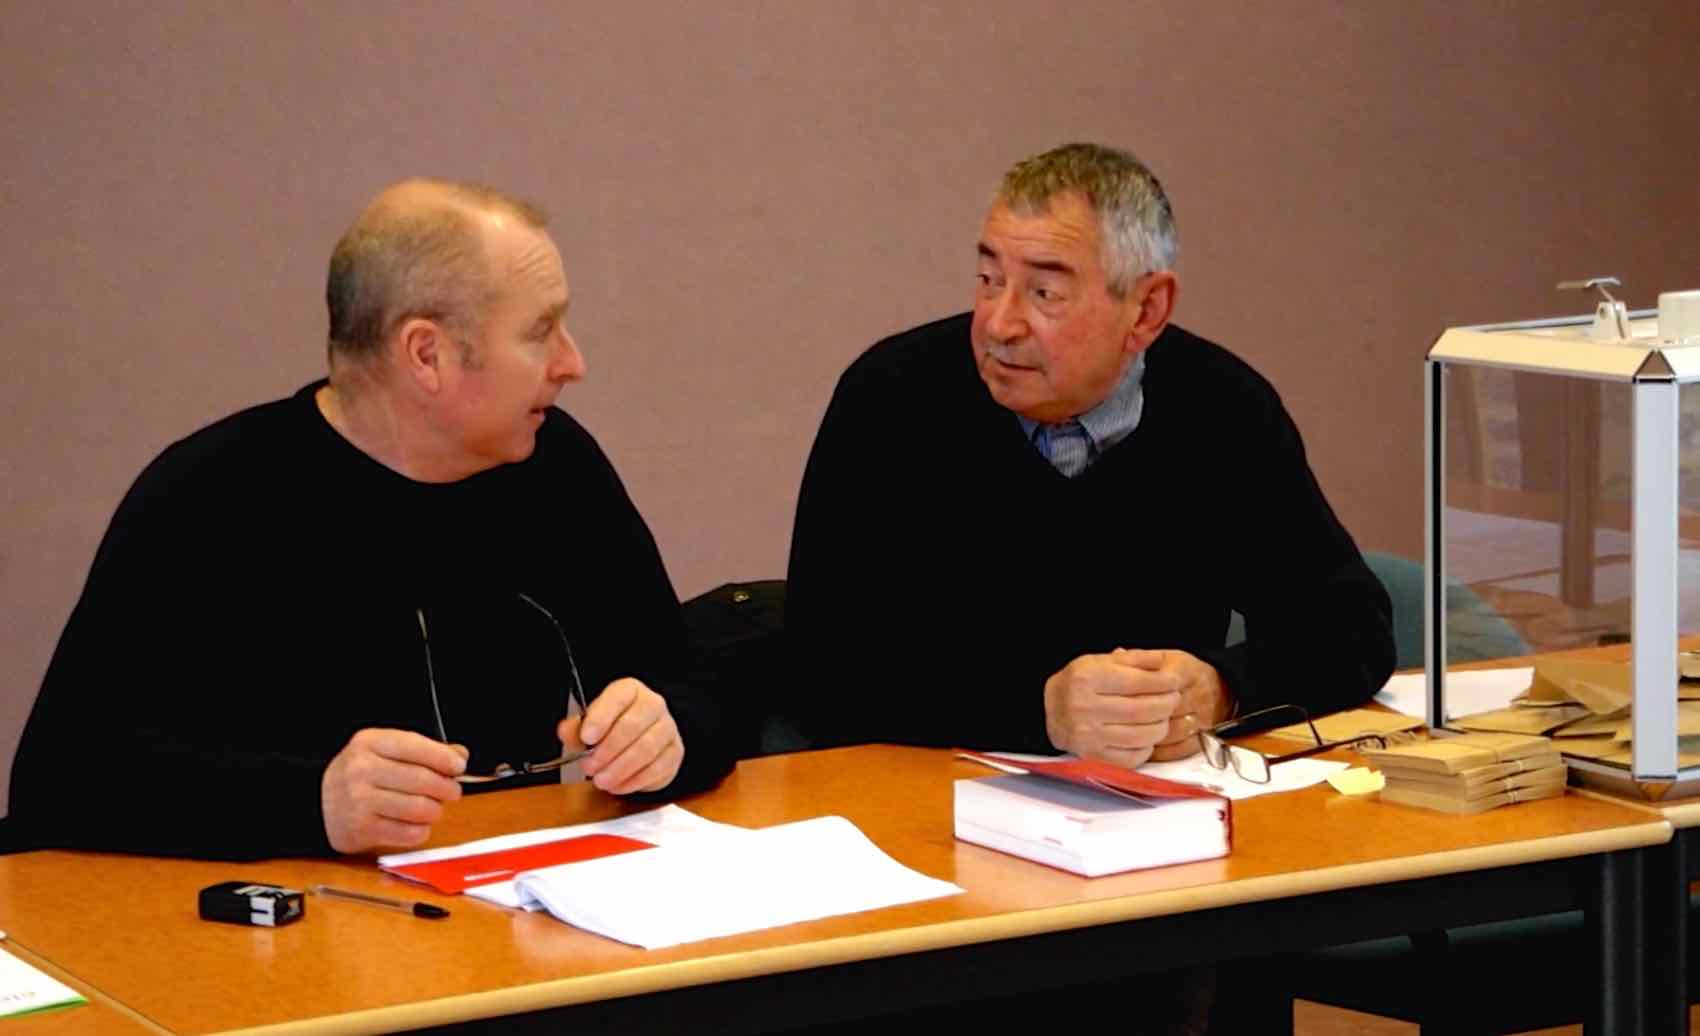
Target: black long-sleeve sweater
[(254, 603), (941, 569)]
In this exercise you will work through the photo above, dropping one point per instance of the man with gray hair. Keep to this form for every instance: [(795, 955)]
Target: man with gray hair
[(1025, 527), (313, 624)]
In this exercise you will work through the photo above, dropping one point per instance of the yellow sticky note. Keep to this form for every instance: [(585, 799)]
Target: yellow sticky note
[(1358, 780)]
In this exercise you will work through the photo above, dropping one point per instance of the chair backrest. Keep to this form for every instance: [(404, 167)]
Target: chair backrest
[(1477, 631), (737, 635)]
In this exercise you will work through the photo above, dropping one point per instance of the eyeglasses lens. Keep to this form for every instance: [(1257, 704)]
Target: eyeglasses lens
[(1253, 766), (1215, 752)]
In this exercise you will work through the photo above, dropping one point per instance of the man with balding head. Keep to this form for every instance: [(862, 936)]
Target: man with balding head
[(1025, 527), (312, 625)]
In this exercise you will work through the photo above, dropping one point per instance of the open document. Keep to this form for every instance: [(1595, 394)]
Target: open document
[(730, 882), (667, 876)]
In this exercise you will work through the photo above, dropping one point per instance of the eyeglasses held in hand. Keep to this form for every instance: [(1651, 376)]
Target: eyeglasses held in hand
[(576, 705), (1253, 765)]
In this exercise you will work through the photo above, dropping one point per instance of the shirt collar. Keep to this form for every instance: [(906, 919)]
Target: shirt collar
[(1116, 416)]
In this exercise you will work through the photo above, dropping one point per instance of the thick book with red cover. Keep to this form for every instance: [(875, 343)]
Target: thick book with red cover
[(1090, 817)]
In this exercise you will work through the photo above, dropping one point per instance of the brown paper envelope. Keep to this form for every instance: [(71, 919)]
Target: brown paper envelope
[(1687, 723), (1476, 776), (1602, 686), (1517, 720), (1626, 756), (1343, 726), (1543, 692), (1447, 804), (1590, 747), (1530, 703), (1460, 752), (1594, 726)]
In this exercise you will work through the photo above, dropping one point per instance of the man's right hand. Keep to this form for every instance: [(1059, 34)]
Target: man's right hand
[(1108, 707), (386, 788)]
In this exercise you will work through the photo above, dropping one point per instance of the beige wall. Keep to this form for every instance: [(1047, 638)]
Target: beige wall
[(748, 194)]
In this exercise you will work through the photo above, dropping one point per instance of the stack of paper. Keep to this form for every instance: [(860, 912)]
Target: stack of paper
[(1470, 773), (729, 883), (667, 876)]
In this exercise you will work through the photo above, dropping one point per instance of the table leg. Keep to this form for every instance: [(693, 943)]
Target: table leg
[(1666, 894), (1615, 920)]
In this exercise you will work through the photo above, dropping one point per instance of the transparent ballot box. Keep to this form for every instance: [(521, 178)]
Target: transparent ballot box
[(1563, 512)]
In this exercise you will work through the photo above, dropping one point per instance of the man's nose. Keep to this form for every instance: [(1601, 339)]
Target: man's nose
[(568, 363), (1006, 322)]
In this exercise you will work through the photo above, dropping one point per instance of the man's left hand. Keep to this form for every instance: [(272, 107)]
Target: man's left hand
[(636, 742), (1204, 700)]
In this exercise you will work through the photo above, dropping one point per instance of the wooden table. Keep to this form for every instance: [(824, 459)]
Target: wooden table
[(1309, 868)]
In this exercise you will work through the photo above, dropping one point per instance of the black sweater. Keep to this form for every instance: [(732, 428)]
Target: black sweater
[(253, 604), (941, 568)]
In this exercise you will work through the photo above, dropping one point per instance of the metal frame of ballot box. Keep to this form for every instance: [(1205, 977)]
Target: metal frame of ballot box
[(1654, 370)]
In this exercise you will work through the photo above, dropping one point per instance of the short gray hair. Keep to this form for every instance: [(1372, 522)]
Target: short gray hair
[(1134, 218), (416, 251)]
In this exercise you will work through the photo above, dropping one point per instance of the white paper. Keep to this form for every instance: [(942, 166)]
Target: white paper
[(1289, 776), (1467, 691), (24, 989), (730, 881), (661, 826)]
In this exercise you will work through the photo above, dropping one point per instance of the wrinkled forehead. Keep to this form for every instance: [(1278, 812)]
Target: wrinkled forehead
[(1064, 221), (1068, 203), (522, 256)]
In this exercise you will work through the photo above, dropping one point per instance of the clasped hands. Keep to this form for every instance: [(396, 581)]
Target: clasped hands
[(387, 787), (1130, 706)]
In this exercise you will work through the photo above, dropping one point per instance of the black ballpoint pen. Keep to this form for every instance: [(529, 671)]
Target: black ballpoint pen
[(425, 910)]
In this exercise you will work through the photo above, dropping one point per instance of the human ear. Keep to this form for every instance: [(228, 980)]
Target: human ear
[(421, 344), (1156, 303)]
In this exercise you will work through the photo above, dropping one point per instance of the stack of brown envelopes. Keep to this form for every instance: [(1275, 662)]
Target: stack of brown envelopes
[(1584, 705), (1470, 773)]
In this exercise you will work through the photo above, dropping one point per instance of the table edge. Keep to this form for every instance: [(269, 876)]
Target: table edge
[(946, 935)]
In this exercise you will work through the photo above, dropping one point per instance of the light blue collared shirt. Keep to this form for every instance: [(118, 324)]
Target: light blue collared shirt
[(1072, 446)]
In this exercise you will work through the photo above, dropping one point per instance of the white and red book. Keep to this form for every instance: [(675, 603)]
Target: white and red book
[(1088, 816)]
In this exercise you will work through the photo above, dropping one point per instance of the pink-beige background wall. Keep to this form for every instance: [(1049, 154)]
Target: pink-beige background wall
[(748, 194)]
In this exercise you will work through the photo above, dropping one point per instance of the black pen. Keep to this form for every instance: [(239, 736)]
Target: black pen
[(426, 910)]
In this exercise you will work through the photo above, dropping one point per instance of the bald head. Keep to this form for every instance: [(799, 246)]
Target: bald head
[(418, 250)]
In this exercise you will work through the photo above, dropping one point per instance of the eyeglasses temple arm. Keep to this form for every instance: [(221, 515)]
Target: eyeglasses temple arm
[(1244, 726), (431, 676), (572, 663), (1319, 749)]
